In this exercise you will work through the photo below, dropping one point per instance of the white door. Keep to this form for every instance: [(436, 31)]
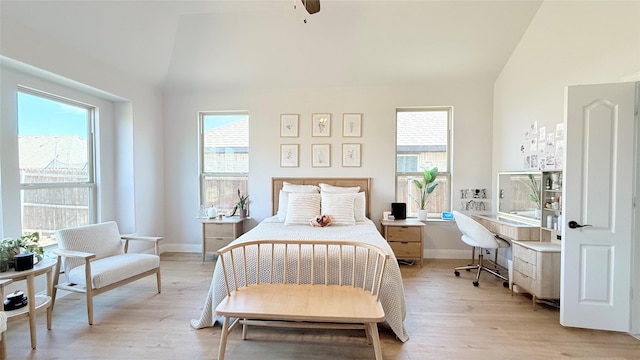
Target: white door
[(599, 185)]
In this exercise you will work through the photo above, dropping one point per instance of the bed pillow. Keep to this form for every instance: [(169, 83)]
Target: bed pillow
[(360, 207), (301, 207), (338, 189), (283, 196), (340, 207), (288, 187)]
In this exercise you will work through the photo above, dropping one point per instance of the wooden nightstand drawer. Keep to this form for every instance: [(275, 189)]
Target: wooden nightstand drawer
[(218, 230), (404, 234), (405, 250)]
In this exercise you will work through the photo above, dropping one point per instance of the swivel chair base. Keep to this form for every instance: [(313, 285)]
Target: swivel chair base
[(479, 268)]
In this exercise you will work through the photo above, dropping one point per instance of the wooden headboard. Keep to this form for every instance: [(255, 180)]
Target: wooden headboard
[(276, 186)]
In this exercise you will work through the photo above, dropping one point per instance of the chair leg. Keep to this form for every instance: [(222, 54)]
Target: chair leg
[(89, 306), (223, 338), (158, 281), (3, 346), (375, 338)]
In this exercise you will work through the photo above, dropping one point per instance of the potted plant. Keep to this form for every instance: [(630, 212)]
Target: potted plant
[(10, 247), (425, 186), (241, 206)]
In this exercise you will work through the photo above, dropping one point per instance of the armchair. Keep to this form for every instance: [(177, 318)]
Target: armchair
[(95, 260)]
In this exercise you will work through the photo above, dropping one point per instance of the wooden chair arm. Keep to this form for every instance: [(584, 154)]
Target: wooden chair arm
[(5, 282), (141, 237), (74, 254), (153, 239)]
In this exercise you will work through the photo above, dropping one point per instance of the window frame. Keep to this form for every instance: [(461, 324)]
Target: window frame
[(203, 175), (90, 183), (447, 175)]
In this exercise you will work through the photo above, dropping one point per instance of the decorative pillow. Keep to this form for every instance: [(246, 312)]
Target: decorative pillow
[(338, 189), (340, 207), (288, 187), (283, 203), (302, 207), (360, 207)]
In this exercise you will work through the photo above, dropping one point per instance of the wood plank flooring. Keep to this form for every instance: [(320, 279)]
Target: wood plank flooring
[(447, 318)]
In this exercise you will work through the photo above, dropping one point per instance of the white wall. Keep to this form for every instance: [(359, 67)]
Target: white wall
[(472, 146), (134, 152), (567, 43)]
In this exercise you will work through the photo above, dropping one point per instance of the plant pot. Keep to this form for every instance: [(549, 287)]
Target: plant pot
[(242, 213), (422, 214)]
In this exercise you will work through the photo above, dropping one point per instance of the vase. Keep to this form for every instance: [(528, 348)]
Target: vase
[(422, 214)]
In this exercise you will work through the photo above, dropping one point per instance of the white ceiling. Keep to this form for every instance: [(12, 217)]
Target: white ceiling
[(237, 43)]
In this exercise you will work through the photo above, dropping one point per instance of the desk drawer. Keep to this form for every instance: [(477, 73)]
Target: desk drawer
[(524, 282), (218, 230), (403, 233), (527, 255), (525, 268), (406, 249)]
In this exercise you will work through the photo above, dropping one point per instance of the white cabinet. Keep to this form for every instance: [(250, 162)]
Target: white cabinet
[(536, 268)]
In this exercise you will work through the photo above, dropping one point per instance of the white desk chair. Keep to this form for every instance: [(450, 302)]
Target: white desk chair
[(476, 235)]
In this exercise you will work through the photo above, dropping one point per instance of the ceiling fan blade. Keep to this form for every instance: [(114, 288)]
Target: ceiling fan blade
[(312, 6)]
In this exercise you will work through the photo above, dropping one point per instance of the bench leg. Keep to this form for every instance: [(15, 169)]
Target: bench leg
[(245, 329), (373, 331), (223, 338)]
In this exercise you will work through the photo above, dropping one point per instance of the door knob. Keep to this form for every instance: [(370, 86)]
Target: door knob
[(574, 225)]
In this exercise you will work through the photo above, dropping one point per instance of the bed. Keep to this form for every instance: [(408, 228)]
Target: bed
[(282, 226)]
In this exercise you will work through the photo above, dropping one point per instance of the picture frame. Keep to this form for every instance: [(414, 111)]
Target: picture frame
[(352, 125), (351, 155), (289, 125), (321, 124), (289, 155), (321, 155)]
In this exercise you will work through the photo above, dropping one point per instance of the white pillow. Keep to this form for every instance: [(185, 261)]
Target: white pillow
[(288, 187), (340, 207), (302, 207), (338, 189), (360, 207), (283, 203)]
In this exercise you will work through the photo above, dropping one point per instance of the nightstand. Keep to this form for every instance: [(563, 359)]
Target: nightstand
[(405, 238), (217, 233)]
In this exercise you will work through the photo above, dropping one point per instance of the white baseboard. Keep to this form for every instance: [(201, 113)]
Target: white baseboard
[(446, 254)]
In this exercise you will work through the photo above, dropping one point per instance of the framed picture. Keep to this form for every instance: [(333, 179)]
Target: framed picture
[(321, 124), (289, 155), (351, 125), (289, 125), (321, 155), (351, 155)]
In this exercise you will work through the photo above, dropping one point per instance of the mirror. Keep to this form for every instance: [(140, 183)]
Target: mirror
[(519, 196)]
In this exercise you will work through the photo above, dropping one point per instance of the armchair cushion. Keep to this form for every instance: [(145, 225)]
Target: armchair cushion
[(102, 239), (107, 271)]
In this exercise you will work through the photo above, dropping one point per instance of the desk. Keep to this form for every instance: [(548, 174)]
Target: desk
[(508, 228), (221, 231), (37, 303)]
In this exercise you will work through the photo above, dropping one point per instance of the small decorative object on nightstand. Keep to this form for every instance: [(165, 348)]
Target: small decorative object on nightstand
[(405, 238)]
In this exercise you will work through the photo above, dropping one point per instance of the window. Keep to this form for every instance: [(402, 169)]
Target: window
[(55, 151), (224, 158), (422, 142)]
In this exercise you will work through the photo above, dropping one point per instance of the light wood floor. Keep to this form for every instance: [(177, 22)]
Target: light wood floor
[(447, 318)]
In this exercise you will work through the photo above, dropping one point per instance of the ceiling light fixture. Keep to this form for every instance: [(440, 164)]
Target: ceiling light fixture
[(312, 6)]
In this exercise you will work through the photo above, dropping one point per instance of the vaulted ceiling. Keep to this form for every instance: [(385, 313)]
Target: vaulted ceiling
[(238, 44)]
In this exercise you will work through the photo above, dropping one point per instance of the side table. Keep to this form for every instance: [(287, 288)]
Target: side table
[(221, 231), (405, 238), (36, 303)]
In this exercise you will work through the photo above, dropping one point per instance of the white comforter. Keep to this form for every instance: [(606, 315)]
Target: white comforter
[(391, 291)]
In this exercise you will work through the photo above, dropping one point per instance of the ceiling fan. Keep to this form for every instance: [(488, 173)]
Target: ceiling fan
[(312, 6)]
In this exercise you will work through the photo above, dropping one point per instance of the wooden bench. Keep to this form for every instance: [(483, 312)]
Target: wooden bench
[(302, 284)]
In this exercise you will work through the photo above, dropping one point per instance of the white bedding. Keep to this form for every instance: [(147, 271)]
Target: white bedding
[(391, 291)]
